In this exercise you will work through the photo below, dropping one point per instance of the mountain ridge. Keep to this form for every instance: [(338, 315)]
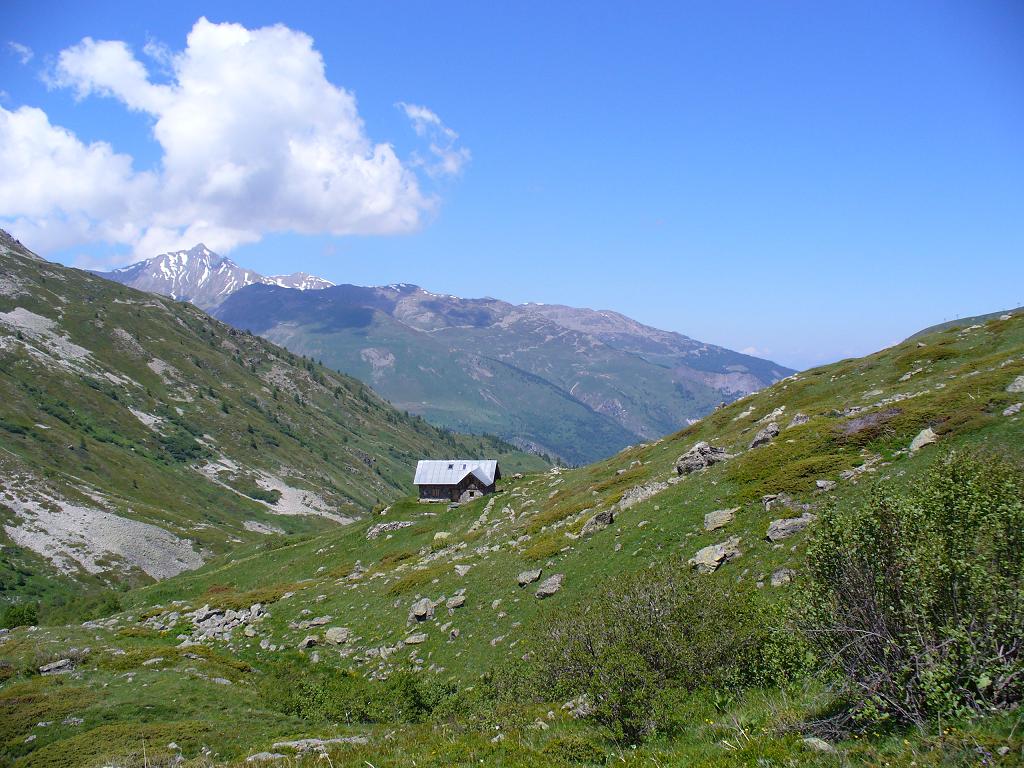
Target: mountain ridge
[(629, 381), (202, 277)]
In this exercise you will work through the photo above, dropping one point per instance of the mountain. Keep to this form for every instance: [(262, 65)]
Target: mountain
[(434, 595), (202, 277), (577, 383), (140, 437)]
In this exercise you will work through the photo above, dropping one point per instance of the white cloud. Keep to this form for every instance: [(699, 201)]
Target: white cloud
[(448, 158), (23, 52), (254, 139)]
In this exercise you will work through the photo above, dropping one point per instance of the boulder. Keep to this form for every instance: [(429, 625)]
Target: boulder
[(765, 436), (57, 667), (442, 536), (1013, 410), (308, 641), (305, 745), (815, 744), (337, 635), (825, 485), (782, 576), (786, 527), (798, 419), (1016, 386), (528, 577), (455, 602), (925, 437), (719, 518), (708, 559), (700, 456), (462, 570), (419, 637), (422, 610), (598, 522), (550, 586), (265, 757)]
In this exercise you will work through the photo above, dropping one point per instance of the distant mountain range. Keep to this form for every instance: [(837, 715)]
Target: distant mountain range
[(579, 384), (202, 277)]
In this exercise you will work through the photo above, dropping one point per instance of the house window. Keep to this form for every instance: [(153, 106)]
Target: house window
[(451, 466)]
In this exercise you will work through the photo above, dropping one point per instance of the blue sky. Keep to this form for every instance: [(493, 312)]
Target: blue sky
[(803, 180)]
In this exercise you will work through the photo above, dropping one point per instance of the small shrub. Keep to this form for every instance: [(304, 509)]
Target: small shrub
[(635, 643), (917, 597), (574, 749)]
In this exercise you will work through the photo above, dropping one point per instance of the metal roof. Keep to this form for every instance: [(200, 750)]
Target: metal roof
[(451, 471)]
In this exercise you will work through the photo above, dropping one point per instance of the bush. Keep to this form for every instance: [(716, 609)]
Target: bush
[(631, 649), (574, 749), (916, 597), (318, 694), (19, 615)]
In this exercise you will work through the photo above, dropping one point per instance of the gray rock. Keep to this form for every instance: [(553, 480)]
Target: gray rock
[(419, 637), (305, 745), (719, 518), (422, 610), (265, 757), (455, 602), (57, 667), (925, 437), (598, 522), (1017, 385), (462, 570), (579, 707), (550, 586), (786, 527), (389, 527), (1013, 410), (782, 576), (798, 419), (337, 635), (528, 577), (815, 744), (308, 641), (765, 436), (700, 456), (825, 485), (708, 559)]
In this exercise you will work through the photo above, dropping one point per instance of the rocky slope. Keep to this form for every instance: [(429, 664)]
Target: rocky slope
[(139, 437), (202, 277), (577, 383)]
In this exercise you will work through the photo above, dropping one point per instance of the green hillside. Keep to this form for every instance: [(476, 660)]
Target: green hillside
[(421, 603), (139, 437)]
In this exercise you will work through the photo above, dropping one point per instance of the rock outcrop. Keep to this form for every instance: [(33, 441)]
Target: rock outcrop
[(708, 559), (701, 456), (765, 436), (550, 586), (786, 527), (719, 518)]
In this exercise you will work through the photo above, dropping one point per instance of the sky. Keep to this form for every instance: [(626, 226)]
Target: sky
[(803, 181)]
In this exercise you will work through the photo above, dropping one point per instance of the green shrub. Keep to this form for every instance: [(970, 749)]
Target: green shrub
[(574, 749), (318, 694), (634, 645), (917, 597), (19, 615)]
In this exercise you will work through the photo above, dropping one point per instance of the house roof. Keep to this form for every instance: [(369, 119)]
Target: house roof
[(452, 471)]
